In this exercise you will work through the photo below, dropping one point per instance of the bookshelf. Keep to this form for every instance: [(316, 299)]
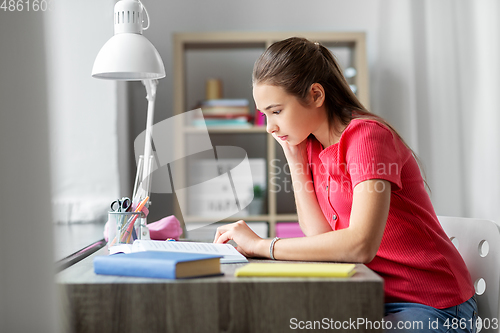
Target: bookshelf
[(230, 56)]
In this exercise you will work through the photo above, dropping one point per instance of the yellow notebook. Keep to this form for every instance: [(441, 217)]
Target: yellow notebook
[(296, 269)]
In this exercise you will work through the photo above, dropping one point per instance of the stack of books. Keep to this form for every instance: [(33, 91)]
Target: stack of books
[(167, 259), (225, 113)]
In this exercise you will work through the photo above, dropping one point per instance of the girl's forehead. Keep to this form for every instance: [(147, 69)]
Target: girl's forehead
[(263, 90), (268, 95)]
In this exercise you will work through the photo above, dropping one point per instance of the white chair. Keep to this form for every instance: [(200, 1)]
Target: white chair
[(478, 242)]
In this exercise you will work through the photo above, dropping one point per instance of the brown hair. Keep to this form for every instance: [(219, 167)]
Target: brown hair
[(296, 63)]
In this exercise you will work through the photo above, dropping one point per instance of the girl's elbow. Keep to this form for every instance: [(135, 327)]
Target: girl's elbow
[(367, 256), (366, 253), (364, 246)]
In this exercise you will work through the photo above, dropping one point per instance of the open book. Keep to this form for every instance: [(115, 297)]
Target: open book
[(229, 253)]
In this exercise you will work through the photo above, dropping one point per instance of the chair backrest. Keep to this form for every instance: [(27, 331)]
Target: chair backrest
[(478, 242)]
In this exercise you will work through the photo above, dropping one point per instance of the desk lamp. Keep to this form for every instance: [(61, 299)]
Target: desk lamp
[(129, 56)]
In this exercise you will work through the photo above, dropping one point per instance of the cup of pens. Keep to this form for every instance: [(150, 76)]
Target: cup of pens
[(125, 226)]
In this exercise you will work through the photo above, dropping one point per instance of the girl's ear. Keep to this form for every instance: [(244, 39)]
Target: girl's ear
[(317, 94)]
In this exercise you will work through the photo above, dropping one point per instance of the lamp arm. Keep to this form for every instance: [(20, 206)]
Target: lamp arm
[(150, 89), (151, 96), (147, 15)]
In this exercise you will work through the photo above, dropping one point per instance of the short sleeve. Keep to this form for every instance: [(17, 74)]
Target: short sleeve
[(370, 150)]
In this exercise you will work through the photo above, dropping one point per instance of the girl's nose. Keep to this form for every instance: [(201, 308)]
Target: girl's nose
[(271, 127)]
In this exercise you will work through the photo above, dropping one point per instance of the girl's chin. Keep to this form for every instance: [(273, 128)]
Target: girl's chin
[(293, 141)]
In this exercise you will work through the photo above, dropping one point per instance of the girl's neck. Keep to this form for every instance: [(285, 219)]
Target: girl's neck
[(329, 135)]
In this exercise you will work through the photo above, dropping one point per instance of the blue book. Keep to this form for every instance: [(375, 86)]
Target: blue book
[(156, 264)]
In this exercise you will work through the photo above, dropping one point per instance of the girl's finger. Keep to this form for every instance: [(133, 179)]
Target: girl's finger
[(219, 232), (217, 235), (223, 238)]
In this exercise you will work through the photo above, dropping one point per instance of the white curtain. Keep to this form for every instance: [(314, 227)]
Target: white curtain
[(436, 78), (83, 113)]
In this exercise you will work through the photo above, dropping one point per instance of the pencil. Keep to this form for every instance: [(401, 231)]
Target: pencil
[(139, 208)]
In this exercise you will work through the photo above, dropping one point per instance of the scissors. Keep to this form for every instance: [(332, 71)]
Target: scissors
[(121, 205)]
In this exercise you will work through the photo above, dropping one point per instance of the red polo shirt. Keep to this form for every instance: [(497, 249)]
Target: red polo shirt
[(417, 260)]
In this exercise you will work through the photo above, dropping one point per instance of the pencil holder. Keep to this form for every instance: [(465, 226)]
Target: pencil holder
[(124, 227)]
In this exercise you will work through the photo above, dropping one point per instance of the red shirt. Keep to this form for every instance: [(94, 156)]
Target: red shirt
[(417, 260)]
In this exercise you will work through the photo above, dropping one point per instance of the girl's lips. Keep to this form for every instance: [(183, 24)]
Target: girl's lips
[(283, 137)]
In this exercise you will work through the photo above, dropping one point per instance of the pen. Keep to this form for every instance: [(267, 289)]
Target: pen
[(133, 218)]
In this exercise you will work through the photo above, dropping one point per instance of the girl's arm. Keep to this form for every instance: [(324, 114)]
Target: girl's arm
[(357, 243), (311, 218)]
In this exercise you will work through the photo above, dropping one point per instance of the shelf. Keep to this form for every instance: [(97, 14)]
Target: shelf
[(249, 218), (229, 130), (230, 56), (286, 218)]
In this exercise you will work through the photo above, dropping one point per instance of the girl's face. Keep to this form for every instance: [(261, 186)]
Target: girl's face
[(287, 118)]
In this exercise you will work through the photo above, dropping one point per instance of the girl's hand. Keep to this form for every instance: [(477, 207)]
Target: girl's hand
[(249, 244), (293, 152)]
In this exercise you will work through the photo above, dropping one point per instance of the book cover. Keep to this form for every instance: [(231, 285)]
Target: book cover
[(229, 102), (226, 116), (259, 118), (296, 270), (221, 110), (214, 122), (157, 264)]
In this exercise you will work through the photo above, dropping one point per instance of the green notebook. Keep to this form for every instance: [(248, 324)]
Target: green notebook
[(296, 270)]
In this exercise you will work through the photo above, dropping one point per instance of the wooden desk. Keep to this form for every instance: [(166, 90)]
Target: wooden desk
[(98, 303)]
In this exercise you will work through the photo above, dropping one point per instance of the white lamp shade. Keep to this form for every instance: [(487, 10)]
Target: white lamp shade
[(128, 57)]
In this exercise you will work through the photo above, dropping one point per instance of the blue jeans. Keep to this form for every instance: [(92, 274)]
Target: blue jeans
[(414, 317)]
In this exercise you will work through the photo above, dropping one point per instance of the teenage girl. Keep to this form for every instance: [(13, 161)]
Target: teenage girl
[(358, 189)]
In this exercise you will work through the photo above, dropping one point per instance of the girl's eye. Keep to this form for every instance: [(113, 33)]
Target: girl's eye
[(263, 115), (277, 112)]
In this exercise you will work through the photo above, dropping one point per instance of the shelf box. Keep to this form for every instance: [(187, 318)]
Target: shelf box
[(288, 230), (207, 233), (214, 195)]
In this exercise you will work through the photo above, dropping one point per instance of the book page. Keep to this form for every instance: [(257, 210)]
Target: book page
[(229, 253), (121, 248)]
